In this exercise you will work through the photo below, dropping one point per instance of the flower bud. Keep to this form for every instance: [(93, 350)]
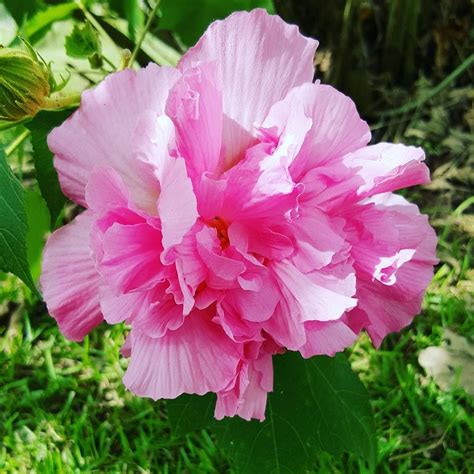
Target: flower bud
[(24, 83)]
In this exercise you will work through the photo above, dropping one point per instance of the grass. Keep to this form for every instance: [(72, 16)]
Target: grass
[(64, 408)]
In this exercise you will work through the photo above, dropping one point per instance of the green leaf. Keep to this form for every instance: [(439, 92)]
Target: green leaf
[(83, 42), (190, 19), (190, 413), (35, 27), (38, 225), (135, 17), (21, 9), (13, 225), (317, 404), (133, 12), (46, 174)]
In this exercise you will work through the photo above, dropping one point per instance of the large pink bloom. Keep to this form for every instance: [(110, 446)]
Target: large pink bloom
[(233, 211)]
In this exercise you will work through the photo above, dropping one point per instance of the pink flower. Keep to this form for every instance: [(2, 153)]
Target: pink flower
[(233, 211)]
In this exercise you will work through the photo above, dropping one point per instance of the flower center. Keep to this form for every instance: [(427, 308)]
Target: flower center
[(221, 228)]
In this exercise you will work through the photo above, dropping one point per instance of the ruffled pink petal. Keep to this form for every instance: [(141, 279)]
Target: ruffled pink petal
[(260, 58), (236, 328), (286, 325), (123, 307), (69, 281), (316, 302), (197, 358), (155, 146), (131, 257), (257, 304), (248, 397), (222, 270), (106, 190), (327, 338), (318, 238), (260, 188), (336, 127), (177, 205), (195, 106), (388, 167), (100, 132), (395, 251), (162, 314)]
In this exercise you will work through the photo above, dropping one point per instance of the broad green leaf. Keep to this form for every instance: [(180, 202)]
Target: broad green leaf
[(46, 174), (35, 27), (38, 225), (317, 404), (189, 413), (189, 19), (13, 225)]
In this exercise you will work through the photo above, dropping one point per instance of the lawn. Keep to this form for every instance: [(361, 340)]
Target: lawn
[(64, 407)]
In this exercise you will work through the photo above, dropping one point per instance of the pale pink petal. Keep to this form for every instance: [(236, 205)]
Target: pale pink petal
[(105, 190), (248, 397), (223, 271), (195, 106), (210, 196), (237, 328), (162, 315), (286, 326), (177, 205), (316, 302), (131, 259), (260, 58), (395, 251), (100, 132), (197, 358), (124, 307), (388, 167), (259, 188), (318, 238), (69, 281), (261, 185), (105, 220), (269, 243), (336, 128), (258, 305), (326, 338)]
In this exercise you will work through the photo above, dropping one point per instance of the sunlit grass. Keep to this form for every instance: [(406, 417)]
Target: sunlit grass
[(64, 408)]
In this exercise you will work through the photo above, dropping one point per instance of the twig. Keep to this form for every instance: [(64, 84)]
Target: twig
[(16, 143), (138, 45)]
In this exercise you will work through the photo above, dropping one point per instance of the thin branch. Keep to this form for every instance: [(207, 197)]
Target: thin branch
[(10, 149), (143, 33)]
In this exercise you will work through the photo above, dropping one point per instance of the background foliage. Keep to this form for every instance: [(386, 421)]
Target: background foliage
[(408, 66)]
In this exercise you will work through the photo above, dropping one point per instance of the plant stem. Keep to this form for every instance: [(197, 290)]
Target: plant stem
[(60, 101), (16, 143), (143, 33)]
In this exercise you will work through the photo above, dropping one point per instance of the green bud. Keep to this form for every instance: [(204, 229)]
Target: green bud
[(24, 84)]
